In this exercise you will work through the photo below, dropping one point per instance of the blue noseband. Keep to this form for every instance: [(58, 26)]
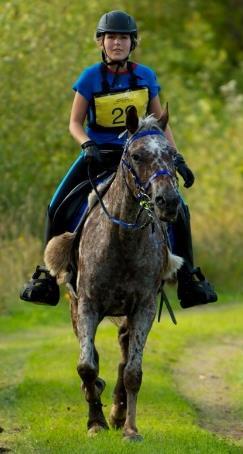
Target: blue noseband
[(139, 184)]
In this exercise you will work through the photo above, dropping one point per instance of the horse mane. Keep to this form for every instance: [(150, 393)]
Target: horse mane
[(148, 122)]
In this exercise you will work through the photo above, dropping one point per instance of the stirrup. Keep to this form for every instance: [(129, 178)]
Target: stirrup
[(210, 293), (193, 292), (41, 290)]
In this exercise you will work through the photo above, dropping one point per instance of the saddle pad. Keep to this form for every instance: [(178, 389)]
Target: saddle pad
[(73, 211)]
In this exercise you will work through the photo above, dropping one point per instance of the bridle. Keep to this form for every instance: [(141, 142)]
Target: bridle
[(142, 186), (144, 200), (142, 196)]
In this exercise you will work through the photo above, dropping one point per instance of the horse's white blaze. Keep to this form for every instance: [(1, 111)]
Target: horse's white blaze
[(155, 145)]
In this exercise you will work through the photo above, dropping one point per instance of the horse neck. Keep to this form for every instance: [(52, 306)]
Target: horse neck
[(123, 203)]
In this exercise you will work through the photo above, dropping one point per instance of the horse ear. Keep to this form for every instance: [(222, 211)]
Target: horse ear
[(132, 119), (163, 120)]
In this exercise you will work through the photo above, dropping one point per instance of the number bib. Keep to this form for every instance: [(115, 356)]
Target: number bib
[(110, 109)]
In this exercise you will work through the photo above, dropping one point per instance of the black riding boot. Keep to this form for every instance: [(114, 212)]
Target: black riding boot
[(193, 289), (42, 287)]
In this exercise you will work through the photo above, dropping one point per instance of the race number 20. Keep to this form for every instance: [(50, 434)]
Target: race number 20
[(118, 115)]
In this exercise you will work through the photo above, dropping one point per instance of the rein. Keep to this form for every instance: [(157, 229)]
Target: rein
[(124, 224), (145, 203), (142, 197)]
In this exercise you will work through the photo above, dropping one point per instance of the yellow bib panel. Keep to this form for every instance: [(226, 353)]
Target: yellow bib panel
[(111, 108)]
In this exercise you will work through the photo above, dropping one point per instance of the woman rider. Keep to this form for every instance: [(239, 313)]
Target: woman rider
[(102, 93)]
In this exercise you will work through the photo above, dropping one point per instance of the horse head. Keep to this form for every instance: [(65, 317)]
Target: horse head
[(148, 163)]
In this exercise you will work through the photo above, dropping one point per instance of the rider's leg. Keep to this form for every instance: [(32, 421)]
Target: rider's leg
[(42, 287), (193, 288)]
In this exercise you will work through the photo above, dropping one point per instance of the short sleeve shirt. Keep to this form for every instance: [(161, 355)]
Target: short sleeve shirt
[(90, 82)]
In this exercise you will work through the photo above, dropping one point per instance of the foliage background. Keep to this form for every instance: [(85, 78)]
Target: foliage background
[(197, 54)]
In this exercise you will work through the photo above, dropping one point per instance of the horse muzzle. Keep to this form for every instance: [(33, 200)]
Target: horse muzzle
[(166, 206)]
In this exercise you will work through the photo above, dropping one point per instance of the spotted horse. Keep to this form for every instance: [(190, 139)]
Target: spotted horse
[(122, 258)]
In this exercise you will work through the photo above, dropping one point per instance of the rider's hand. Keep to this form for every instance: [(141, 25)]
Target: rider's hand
[(184, 170), (92, 152)]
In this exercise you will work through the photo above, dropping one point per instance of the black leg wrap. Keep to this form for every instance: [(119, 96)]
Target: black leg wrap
[(96, 416)]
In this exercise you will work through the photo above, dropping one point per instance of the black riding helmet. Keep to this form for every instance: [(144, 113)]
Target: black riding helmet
[(118, 22)]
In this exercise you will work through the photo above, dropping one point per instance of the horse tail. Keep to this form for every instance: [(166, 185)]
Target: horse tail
[(174, 264), (58, 255)]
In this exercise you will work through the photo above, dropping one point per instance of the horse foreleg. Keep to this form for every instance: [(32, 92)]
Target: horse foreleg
[(96, 419), (88, 368), (139, 327), (118, 411), (74, 314)]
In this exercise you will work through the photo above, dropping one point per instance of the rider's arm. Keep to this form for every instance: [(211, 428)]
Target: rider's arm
[(156, 109), (77, 117), (181, 166)]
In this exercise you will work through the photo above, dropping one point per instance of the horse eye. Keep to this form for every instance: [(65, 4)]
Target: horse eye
[(136, 157)]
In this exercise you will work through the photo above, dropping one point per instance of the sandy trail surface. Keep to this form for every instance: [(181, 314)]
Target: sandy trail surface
[(209, 377)]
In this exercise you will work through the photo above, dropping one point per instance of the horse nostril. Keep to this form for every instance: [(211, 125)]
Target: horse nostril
[(160, 200)]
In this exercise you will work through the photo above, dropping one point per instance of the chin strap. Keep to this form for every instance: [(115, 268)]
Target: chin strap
[(119, 64)]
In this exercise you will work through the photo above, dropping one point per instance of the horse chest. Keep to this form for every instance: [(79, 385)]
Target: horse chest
[(118, 288), (120, 299)]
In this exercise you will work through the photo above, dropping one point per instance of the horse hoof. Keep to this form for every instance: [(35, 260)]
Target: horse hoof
[(95, 429), (133, 437), (116, 423)]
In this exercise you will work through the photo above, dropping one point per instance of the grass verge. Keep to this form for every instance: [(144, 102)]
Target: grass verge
[(43, 411)]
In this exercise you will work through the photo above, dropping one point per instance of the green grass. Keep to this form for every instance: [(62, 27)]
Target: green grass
[(43, 411)]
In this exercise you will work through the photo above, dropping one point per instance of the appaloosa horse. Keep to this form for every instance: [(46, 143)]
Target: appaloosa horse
[(122, 260)]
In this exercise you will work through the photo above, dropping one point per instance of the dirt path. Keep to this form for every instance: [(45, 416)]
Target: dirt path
[(202, 376)]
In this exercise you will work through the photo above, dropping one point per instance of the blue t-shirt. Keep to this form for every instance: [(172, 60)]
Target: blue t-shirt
[(90, 83)]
